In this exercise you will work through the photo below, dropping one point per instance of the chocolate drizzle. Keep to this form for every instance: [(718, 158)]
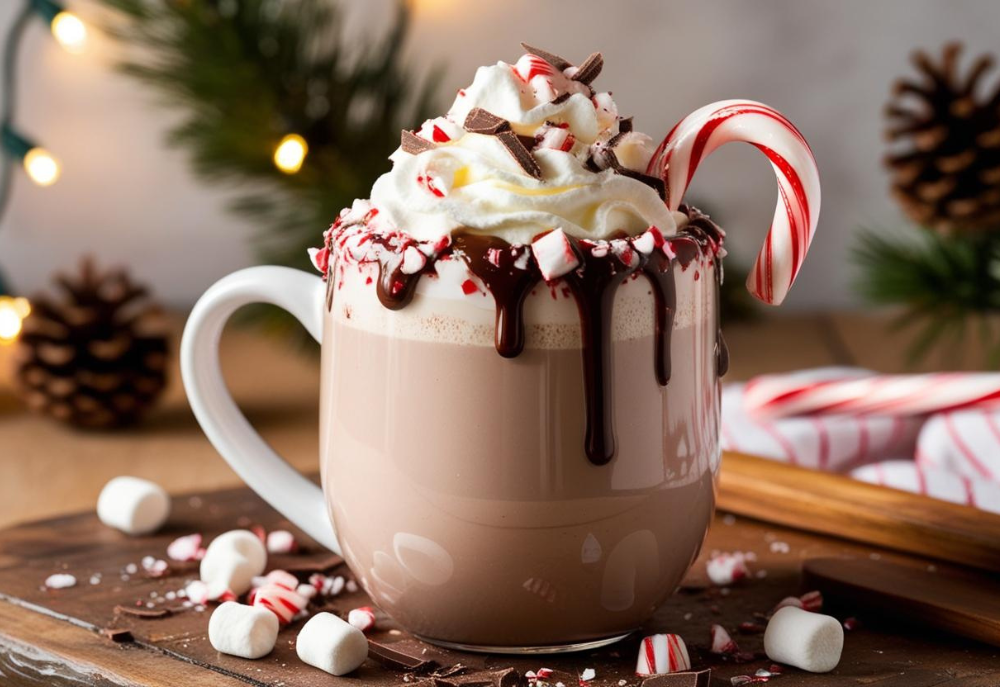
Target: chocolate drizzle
[(594, 286), (509, 272), (659, 269)]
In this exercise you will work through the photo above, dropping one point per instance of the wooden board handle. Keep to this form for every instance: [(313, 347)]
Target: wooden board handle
[(839, 506)]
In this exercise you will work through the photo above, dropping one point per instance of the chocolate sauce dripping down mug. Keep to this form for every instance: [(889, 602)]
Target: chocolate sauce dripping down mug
[(456, 481)]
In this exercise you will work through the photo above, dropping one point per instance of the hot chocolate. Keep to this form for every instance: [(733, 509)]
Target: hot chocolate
[(465, 495), (520, 370), (521, 360)]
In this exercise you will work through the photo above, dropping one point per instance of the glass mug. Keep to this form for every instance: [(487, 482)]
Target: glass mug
[(547, 501)]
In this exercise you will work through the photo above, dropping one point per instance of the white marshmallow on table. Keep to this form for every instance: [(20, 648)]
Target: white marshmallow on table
[(133, 505), (243, 631), (810, 641), (231, 562), (332, 645)]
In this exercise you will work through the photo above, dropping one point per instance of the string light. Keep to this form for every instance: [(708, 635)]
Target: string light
[(41, 166), (70, 32), (12, 314), (291, 153), (68, 29)]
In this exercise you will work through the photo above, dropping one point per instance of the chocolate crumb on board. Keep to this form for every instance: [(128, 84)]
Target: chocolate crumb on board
[(397, 660), (556, 61), (117, 635), (413, 144), (701, 678), (590, 69), (141, 612)]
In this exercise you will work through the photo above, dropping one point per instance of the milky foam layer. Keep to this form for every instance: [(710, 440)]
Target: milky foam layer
[(442, 312), (472, 181)]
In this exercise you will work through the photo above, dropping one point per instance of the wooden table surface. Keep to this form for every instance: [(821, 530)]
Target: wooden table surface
[(50, 470)]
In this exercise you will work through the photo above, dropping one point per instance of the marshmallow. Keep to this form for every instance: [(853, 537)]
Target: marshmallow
[(187, 548), (362, 618), (722, 642), (281, 541), (243, 631), (231, 562), (332, 645), (60, 581), (662, 654), (285, 603), (810, 641), (133, 505), (555, 255), (727, 568)]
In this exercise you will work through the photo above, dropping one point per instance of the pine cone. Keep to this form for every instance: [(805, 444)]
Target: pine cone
[(95, 357), (945, 152)]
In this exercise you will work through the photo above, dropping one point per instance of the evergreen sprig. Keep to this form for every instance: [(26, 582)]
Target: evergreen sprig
[(945, 283), (245, 73)]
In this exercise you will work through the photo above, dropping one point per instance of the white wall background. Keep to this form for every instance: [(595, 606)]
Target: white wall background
[(827, 65)]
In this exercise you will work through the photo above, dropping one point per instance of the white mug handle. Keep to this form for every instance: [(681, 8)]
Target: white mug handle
[(277, 482)]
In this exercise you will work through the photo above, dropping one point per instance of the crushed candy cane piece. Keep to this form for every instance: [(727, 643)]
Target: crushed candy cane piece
[(722, 643), (727, 568), (362, 618), (281, 541), (186, 548)]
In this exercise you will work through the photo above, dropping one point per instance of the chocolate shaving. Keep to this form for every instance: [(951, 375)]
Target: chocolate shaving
[(413, 144), (656, 183), (625, 125), (142, 612), (590, 69), (302, 564), (397, 660), (117, 635), (521, 154), (527, 141), (701, 678), (479, 121), (556, 61), (561, 98)]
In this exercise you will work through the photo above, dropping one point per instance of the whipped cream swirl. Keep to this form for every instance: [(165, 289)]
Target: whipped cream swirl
[(473, 182)]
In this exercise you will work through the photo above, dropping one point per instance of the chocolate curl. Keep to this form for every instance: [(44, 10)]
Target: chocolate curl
[(521, 154), (556, 61), (413, 144), (656, 183), (590, 69), (479, 121)]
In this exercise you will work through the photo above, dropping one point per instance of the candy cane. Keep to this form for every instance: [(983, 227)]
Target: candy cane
[(897, 395), (696, 136)]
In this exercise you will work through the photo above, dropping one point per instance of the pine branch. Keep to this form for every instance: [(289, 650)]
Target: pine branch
[(941, 281), (246, 73)]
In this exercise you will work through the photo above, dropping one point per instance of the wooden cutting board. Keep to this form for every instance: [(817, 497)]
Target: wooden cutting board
[(60, 637), (965, 603)]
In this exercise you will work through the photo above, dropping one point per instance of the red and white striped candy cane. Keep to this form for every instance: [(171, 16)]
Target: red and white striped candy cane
[(663, 653), (896, 395), (696, 136)]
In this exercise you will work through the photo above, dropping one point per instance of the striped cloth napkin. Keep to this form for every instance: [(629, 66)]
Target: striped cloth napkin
[(953, 456)]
